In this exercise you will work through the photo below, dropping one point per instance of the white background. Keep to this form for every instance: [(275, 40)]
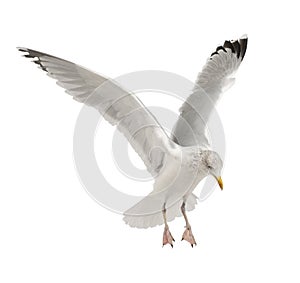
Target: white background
[(52, 231)]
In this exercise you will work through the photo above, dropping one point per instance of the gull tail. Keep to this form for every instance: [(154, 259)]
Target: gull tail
[(139, 216)]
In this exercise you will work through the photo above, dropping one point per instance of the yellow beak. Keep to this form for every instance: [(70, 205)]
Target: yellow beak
[(220, 182)]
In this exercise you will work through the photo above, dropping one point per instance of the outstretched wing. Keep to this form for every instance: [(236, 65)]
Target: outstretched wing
[(117, 106), (215, 77)]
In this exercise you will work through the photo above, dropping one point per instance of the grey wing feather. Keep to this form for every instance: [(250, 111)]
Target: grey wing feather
[(117, 105), (215, 78)]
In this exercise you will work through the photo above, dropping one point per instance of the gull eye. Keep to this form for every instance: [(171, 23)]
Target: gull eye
[(209, 167)]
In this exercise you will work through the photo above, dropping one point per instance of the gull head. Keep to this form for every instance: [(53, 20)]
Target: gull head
[(213, 165)]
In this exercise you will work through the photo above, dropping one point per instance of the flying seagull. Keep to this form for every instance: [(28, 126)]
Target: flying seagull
[(177, 163)]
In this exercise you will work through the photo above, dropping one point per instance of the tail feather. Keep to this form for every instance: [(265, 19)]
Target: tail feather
[(133, 219)]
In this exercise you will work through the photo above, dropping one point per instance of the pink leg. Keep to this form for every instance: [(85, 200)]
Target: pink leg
[(167, 236), (187, 235)]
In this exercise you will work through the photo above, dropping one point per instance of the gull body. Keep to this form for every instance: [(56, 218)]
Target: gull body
[(177, 163), (183, 169)]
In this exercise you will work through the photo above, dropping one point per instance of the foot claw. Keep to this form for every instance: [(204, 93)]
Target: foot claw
[(189, 237), (167, 237)]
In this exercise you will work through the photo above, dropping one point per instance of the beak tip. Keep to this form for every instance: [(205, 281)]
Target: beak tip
[(220, 182)]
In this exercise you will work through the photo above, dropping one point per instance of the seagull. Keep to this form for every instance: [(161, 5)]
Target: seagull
[(177, 162)]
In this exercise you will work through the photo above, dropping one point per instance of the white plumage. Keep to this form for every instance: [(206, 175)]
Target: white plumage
[(179, 163)]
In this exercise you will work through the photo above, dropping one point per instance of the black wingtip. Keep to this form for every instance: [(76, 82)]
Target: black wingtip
[(214, 53), (29, 53), (221, 48), (243, 44), (22, 49), (237, 47), (228, 44)]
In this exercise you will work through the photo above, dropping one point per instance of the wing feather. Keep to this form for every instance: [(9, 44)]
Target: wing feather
[(215, 78), (118, 106)]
